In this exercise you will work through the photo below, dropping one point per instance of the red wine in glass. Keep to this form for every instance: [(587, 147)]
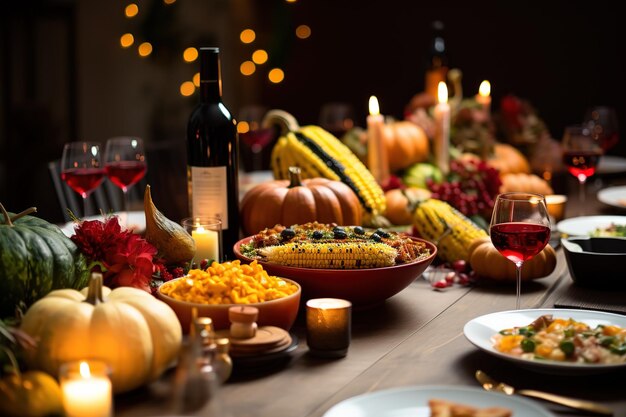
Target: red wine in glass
[(519, 242), (125, 173), (581, 163), (81, 169), (581, 154), (519, 229)]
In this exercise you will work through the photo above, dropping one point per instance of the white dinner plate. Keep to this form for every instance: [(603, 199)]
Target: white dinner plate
[(611, 164), (136, 222), (412, 401), (613, 196), (480, 331), (583, 226)]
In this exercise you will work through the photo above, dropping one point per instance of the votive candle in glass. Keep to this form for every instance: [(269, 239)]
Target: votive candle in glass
[(86, 388), (328, 326)]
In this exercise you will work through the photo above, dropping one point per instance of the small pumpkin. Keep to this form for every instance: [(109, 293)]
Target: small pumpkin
[(299, 201), (527, 183), (505, 158), (137, 335), (29, 394), (487, 262), (401, 204), (406, 144), (35, 258)]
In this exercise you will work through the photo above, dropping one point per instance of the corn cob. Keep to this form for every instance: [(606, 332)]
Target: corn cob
[(332, 255), (320, 154), (448, 228)]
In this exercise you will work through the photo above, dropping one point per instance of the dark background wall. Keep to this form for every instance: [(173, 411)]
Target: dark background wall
[(64, 76)]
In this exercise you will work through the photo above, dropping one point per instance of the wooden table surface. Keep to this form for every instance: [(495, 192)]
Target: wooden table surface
[(414, 338)]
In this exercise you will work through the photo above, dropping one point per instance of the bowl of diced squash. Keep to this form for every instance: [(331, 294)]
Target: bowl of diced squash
[(211, 292), (363, 266)]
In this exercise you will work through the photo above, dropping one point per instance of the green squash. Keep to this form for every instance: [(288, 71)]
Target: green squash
[(35, 258)]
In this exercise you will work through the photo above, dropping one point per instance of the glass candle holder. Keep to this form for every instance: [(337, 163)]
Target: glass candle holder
[(556, 206), (328, 326), (86, 388), (207, 234)]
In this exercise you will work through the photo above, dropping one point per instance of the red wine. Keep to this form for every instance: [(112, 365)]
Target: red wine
[(83, 180), (125, 173), (213, 154), (519, 242), (581, 163)]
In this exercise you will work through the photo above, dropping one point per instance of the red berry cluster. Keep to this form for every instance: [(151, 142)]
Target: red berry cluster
[(471, 188), (446, 275)]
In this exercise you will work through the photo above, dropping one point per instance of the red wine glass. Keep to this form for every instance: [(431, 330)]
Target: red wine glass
[(125, 164), (603, 123), (581, 154), (81, 168), (519, 229)]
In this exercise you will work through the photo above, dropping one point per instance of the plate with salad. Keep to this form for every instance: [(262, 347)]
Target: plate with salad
[(609, 226)]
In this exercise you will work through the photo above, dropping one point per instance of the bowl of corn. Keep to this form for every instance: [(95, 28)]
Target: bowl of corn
[(213, 291), (364, 273)]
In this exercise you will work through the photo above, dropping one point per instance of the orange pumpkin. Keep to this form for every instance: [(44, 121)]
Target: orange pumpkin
[(299, 201), (487, 262), (506, 159), (401, 204), (406, 144), (527, 183)]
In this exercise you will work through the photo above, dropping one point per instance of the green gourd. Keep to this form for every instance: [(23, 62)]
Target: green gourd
[(35, 258)]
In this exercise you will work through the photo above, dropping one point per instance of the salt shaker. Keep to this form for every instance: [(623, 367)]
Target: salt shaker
[(243, 321)]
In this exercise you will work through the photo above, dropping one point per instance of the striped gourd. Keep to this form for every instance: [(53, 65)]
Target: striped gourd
[(331, 255), (320, 154), (449, 229)]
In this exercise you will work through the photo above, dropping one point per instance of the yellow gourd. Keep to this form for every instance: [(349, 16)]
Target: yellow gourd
[(137, 335)]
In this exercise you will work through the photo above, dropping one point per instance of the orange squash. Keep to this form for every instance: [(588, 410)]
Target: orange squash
[(527, 183), (299, 201), (401, 204), (406, 144), (506, 159), (488, 263)]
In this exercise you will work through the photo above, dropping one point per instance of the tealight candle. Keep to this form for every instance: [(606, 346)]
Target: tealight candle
[(483, 97), (328, 325), (86, 389), (206, 233), (556, 206), (442, 136), (377, 160)]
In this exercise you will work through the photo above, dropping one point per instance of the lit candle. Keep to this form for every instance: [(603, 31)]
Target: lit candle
[(86, 393), (376, 151), (483, 97), (328, 325), (442, 136), (207, 244)]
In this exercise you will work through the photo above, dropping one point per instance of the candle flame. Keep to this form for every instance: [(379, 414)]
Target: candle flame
[(373, 105), (84, 370), (442, 92), (485, 89), (200, 229)]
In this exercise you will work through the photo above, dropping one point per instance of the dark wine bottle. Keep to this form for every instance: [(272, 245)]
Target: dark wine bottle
[(212, 154), (437, 63)]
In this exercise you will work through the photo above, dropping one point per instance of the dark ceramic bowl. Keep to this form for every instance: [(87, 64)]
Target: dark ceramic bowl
[(363, 287), (597, 262)]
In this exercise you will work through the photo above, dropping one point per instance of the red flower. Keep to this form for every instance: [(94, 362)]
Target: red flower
[(125, 258)]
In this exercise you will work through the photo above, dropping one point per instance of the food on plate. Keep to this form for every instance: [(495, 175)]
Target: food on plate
[(228, 283), (612, 230), (443, 408), (564, 340), (328, 246)]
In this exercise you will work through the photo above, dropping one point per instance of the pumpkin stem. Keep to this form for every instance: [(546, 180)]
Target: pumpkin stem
[(7, 219), (294, 177), (24, 213), (14, 364), (94, 292)]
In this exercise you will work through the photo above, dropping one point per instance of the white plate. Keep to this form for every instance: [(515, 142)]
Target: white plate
[(136, 222), (613, 196), (412, 401), (583, 226), (480, 330), (610, 164)]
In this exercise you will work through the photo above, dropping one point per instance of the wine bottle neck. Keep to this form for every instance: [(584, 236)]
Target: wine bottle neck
[(210, 76)]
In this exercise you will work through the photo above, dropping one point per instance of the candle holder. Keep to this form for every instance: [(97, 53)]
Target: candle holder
[(328, 326), (207, 234), (86, 388)]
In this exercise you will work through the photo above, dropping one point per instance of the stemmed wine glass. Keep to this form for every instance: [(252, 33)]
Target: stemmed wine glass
[(125, 164), (581, 153), (254, 137), (81, 168), (519, 229)]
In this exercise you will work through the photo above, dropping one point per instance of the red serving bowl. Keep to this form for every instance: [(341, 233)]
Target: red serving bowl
[(362, 287)]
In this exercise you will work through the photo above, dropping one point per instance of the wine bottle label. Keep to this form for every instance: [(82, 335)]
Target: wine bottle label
[(209, 193)]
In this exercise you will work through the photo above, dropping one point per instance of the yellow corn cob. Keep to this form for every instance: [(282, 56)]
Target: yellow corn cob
[(448, 228), (355, 255)]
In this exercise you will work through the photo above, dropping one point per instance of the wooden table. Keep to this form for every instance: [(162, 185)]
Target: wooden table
[(414, 338)]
